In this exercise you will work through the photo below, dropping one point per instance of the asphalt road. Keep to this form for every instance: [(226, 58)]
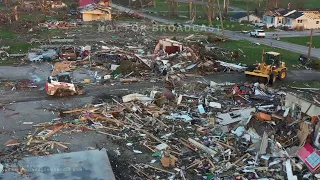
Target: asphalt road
[(39, 72), (235, 35)]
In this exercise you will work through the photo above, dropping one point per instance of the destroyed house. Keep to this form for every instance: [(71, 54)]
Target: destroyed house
[(276, 17), (96, 12), (243, 16), (168, 46)]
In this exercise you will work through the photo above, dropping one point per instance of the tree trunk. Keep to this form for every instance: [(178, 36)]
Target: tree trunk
[(226, 8), (247, 11), (213, 9), (190, 9), (15, 13), (209, 13)]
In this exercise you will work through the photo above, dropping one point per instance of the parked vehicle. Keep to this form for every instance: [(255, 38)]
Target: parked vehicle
[(258, 33)]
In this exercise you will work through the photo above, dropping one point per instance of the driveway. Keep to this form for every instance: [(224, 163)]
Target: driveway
[(234, 35)]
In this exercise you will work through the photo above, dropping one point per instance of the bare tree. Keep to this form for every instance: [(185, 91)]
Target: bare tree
[(209, 9), (15, 13), (248, 16), (45, 8), (226, 6), (172, 7)]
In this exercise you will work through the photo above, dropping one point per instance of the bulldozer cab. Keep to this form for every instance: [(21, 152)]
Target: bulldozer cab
[(272, 58)]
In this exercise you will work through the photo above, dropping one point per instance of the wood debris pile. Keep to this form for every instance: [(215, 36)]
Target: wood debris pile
[(213, 130)]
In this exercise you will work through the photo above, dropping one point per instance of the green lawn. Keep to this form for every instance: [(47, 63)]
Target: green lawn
[(161, 5), (41, 17), (228, 25), (306, 84), (252, 4), (6, 34), (253, 52), (303, 40), (21, 47)]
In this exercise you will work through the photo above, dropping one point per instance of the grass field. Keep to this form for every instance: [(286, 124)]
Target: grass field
[(253, 52), (228, 25), (252, 4), (6, 34), (303, 40), (306, 84), (18, 47), (161, 5)]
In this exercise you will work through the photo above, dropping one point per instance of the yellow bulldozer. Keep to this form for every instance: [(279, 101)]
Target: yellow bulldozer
[(271, 69)]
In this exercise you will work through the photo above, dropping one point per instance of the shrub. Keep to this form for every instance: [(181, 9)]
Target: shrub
[(315, 64)]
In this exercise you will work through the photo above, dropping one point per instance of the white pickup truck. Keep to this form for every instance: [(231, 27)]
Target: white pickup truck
[(258, 33)]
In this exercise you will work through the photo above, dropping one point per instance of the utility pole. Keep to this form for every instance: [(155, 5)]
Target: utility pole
[(310, 43), (221, 19)]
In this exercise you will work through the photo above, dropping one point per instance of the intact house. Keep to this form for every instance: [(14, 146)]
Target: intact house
[(292, 18), (276, 17), (305, 19), (243, 16), (96, 12)]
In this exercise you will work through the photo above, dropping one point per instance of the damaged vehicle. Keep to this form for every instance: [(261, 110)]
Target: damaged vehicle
[(60, 82), (106, 59), (68, 53), (37, 55), (62, 85)]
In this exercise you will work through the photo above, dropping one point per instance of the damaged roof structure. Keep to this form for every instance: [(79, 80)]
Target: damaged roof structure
[(96, 12)]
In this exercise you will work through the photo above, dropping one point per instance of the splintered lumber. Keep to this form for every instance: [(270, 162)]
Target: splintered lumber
[(223, 144), (241, 158), (60, 144), (186, 144), (145, 145), (202, 147), (79, 110), (32, 136), (194, 164), (211, 163), (152, 167), (56, 128), (151, 135), (139, 171)]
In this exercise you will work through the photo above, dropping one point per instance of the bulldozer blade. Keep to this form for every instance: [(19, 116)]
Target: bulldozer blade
[(255, 78)]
